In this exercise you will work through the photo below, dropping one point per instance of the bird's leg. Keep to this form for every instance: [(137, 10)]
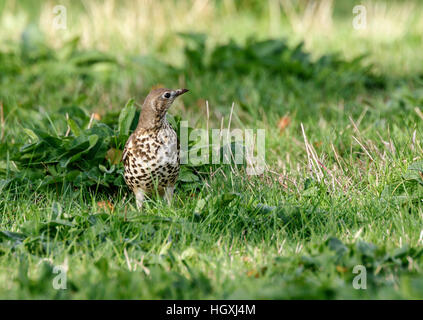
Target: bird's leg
[(139, 195), (169, 194)]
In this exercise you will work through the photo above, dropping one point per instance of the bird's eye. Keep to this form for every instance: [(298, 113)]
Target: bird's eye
[(167, 95)]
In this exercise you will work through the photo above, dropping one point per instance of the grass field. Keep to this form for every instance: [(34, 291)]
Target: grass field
[(342, 111)]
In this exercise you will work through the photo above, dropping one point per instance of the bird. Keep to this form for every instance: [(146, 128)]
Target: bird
[(151, 154)]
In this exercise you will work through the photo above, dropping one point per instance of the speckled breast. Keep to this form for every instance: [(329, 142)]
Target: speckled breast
[(151, 159)]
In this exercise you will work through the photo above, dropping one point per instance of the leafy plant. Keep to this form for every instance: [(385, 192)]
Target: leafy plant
[(83, 157), (274, 58)]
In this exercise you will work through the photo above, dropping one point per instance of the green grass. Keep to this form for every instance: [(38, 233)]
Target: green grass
[(345, 192)]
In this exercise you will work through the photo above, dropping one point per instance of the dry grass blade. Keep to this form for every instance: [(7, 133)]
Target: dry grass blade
[(69, 128), (91, 120), (364, 148), (419, 112), (312, 157)]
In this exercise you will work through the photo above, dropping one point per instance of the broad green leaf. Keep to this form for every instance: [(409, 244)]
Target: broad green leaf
[(31, 134), (187, 176), (366, 249), (89, 58), (57, 210), (102, 264), (264, 208), (336, 245), (74, 127), (78, 150), (8, 165), (104, 169), (199, 206), (230, 196), (54, 224), (188, 253), (14, 236), (126, 117)]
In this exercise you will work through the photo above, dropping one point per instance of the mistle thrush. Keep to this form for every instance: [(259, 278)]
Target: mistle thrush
[(151, 154)]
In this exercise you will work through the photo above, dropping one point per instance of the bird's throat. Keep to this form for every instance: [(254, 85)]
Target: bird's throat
[(151, 120)]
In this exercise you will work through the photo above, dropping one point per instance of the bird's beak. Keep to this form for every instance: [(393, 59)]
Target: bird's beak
[(178, 92)]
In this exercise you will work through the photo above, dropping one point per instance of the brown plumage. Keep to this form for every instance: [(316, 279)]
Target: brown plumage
[(151, 154)]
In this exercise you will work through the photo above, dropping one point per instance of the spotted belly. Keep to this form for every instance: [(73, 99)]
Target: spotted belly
[(151, 177), (151, 162)]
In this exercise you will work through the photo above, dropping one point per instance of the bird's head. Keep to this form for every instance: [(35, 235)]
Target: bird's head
[(156, 105)]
